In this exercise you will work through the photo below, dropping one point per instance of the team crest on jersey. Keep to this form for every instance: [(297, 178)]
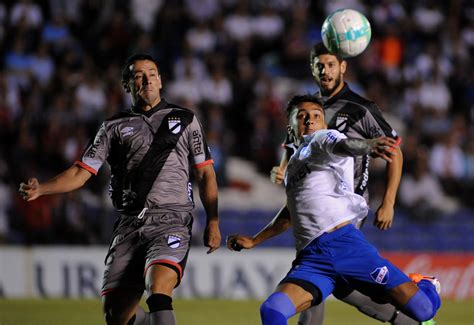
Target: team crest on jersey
[(174, 124), (341, 122), (173, 241), (126, 131), (380, 275)]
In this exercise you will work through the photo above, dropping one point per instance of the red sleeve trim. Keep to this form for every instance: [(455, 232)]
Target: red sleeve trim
[(86, 167), (204, 163), (176, 265), (399, 140), (105, 292)]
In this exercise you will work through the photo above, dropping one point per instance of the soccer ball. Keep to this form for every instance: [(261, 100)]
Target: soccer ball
[(346, 32)]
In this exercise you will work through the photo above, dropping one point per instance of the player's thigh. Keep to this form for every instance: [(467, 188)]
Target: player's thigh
[(160, 279), (168, 246), (300, 298), (125, 259), (314, 274), (360, 265)]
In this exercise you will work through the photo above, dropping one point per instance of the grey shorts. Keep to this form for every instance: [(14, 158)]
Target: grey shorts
[(159, 238)]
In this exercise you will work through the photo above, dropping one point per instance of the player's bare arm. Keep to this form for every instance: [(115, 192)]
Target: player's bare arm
[(384, 214), (277, 174), (71, 179), (279, 224), (206, 179), (382, 147)]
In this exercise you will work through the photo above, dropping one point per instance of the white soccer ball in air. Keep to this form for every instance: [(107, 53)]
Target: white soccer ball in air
[(346, 32)]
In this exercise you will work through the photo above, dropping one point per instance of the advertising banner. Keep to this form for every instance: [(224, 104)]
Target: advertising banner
[(76, 272)]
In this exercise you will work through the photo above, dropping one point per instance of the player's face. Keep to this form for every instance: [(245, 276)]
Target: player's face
[(328, 73), (306, 119), (145, 84)]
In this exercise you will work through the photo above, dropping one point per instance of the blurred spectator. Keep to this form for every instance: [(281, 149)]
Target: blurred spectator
[(27, 11), (239, 23), (447, 158), (56, 33), (90, 96), (422, 194), (202, 10), (42, 65), (144, 13), (33, 221), (189, 63), (185, 88), (201, 39), (217, 89), (66, 8)]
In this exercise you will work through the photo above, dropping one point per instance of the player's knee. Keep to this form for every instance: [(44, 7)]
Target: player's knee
[(158, 302), (276, 309), (420, 307)]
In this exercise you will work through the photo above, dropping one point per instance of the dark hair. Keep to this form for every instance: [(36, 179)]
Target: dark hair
[(298, 99), (127, 73), (319, 49)]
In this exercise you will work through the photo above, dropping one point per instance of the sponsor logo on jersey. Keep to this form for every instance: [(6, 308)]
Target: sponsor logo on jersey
[(380, 275), (197, 143), (331, 137), (341, 122), (128, 130), (174, 124), (294, 177), (305, 152), (173, 241), (95, 145)]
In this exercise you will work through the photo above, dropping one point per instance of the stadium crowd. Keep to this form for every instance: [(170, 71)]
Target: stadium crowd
[(236, 63)]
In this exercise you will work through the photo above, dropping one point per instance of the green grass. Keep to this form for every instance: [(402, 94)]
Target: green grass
[(208, 312)]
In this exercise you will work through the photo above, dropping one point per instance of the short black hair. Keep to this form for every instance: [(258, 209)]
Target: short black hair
[(127, 73), (319, 49), (298, 99)]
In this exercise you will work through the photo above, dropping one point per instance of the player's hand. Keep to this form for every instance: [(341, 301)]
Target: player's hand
[(212, 236), (384, 217), (383, 147), (238, 242), (277, 175), (30, 191)]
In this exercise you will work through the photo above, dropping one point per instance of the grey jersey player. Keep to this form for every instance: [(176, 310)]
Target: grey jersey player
[(151, 150)]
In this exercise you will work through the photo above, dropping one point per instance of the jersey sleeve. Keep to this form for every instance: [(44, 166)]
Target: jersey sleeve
[(200, 154), (375, 125), (326, 140), (96, 151)]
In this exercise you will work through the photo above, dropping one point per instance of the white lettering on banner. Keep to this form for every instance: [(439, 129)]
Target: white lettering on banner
[(52, 272), (249, 274)]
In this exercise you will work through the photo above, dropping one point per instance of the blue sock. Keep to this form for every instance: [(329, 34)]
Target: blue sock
[(424, 303), (429, 290), (276, 309)]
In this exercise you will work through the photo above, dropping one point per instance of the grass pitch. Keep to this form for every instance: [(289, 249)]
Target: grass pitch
[(199, 312)]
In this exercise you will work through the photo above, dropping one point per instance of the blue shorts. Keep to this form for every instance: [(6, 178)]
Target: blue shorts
[(343, 256)]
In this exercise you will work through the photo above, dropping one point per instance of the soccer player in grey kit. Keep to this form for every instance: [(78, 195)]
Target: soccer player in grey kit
[(151, 150)]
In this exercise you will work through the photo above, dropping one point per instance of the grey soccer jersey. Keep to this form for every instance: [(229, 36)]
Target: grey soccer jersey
[(150, 155), (359, 118), (319, 188)]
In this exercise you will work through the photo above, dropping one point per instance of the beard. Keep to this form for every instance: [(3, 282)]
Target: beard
[(329, 91)]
